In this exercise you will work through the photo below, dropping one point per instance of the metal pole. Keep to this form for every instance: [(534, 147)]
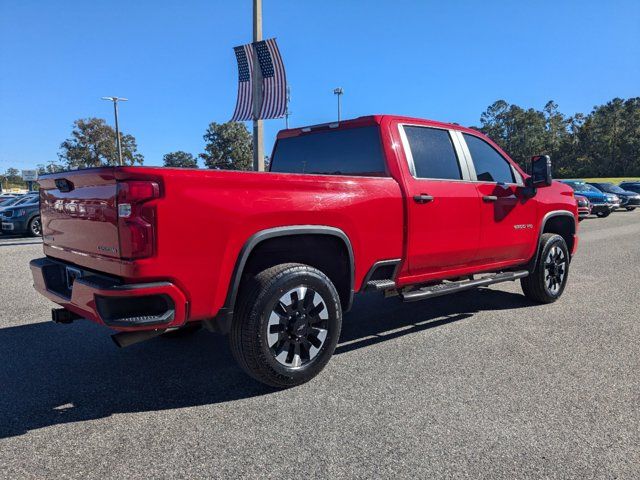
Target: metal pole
[(258, 127), (287, 112), (115, 101), (118, 144), (338, 91)]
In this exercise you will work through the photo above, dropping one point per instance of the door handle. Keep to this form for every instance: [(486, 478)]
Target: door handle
[(489, 198), (423, 198)]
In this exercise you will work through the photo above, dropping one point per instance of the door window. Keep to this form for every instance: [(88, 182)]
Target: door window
[(433, 153), (489, 164)]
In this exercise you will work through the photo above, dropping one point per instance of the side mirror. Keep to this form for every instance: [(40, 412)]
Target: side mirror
[(540, 171)]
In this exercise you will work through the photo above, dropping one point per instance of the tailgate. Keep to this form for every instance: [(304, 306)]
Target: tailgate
[(79, 212)]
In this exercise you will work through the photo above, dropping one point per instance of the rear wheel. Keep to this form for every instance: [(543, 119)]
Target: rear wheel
[(630, 209), (287, 325), (35, 227), (546, 282)]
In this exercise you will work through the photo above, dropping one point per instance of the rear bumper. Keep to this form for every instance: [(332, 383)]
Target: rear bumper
[(106, 300)]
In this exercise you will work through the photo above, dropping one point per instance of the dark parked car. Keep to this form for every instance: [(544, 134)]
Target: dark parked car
[(631, 186), (628, 199), (600, 203), (584, 207), (22, 217)]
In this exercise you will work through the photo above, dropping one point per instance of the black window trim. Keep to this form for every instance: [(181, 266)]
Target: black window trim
[(462, 162)]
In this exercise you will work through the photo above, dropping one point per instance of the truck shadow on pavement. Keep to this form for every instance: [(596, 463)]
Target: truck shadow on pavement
[(54, 374)]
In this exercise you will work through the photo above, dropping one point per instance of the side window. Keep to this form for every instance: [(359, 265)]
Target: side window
[(490, 165), (433, 153)]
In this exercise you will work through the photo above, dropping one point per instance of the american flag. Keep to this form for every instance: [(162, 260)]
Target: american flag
[(274, 81), (244, 103)]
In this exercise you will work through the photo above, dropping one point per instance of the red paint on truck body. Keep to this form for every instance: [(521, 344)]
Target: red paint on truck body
[(202, 219)]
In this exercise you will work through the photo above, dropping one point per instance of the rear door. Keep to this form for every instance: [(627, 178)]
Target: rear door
[(507, 214), (443, 205)]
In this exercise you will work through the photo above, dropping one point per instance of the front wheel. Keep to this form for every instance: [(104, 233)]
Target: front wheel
[(287, 325), (603, 214), (546, 282)]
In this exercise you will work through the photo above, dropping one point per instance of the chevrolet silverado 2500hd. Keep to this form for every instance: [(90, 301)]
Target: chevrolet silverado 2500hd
[(408, 207)]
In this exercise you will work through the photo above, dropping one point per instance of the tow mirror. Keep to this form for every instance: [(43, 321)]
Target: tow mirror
[(540, 171)]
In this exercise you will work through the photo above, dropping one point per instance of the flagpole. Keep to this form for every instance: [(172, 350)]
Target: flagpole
[(258, 127)]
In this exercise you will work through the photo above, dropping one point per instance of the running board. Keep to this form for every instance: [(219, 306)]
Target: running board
[(453, 287)]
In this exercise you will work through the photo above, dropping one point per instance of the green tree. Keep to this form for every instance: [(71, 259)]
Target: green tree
[(51, 167), (13, 175), (92, 144), (179, 159), (228, 147), (606, 142)]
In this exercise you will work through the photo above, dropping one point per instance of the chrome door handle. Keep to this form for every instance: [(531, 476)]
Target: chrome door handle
[(489, 198), (423, 198)]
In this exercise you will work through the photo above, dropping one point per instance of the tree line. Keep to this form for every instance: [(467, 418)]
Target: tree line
[(604, 142)]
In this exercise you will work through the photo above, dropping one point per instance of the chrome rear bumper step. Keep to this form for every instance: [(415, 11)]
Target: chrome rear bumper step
[(453, 287), (380, 285)]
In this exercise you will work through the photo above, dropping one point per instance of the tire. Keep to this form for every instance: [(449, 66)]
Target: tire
[(546, 282), (630, 209), (277, 339), (603, 214), (186, 331), (35, 227)]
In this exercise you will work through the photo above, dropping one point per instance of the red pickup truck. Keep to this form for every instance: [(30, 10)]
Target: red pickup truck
[(412, 208)]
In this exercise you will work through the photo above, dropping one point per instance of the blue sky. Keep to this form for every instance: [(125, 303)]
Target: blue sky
[(446, 60)]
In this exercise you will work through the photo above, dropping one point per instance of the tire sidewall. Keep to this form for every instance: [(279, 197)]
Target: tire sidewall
[(556, 240), (267, 301), (32, 222)]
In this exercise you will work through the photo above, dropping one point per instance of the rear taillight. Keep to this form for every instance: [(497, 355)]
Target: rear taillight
[(136, 218)]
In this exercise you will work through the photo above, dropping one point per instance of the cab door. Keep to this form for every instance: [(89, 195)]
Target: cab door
[(507, 213), (443, 205)]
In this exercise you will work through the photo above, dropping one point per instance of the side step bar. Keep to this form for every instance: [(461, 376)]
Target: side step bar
[(380, 285), (453, 287)]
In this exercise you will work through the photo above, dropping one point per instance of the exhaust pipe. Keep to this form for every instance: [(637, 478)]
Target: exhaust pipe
[(62, 315), (124, 339)]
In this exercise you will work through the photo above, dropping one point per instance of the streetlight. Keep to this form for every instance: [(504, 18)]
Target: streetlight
[(115, 101), (339, 92)]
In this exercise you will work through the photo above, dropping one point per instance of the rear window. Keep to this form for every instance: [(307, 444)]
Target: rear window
[(433, 153), (353, 151)]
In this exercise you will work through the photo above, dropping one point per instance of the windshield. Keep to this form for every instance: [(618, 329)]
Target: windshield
[(9, 201), (610, 187), (583, 187)]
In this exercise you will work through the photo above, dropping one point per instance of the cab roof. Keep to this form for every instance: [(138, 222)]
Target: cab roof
[(371, 120)]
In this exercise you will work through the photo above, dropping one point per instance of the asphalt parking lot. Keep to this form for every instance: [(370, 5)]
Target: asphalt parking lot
[(482, 384)]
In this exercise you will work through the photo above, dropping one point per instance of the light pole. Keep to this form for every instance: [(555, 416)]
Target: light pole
[(339, 92), (115, 101)]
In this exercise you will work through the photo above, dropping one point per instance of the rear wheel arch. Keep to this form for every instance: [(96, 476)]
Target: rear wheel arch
[(264, 249)]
